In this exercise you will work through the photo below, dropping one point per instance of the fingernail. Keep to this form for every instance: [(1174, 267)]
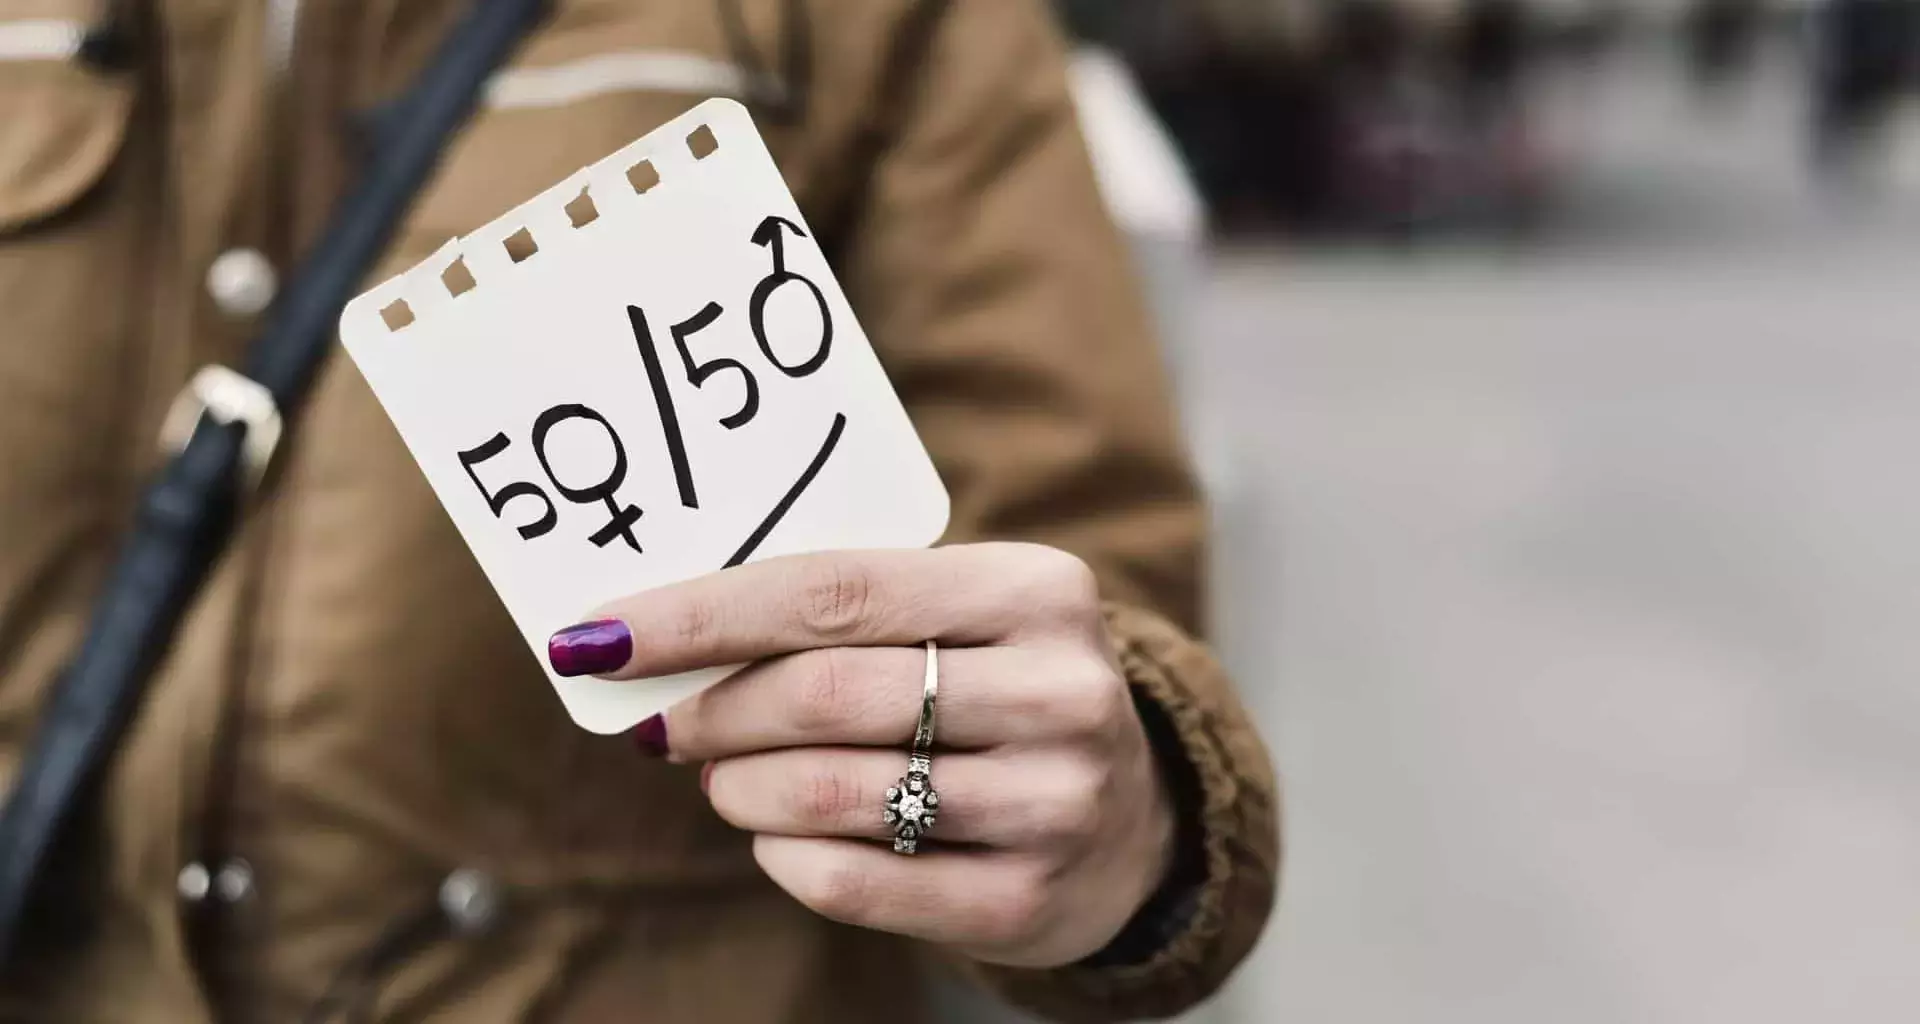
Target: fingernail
[(590, 648), (651, 736), (706, 777)]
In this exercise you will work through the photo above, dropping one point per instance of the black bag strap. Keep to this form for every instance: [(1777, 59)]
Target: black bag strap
[(226, 426)]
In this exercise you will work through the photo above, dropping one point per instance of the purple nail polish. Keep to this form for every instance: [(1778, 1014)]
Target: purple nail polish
[(651, 736), (591, 648)]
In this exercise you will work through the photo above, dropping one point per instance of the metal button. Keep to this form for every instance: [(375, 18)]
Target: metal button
[(234, 881), (242, 282), (470, 899), (194, 882)]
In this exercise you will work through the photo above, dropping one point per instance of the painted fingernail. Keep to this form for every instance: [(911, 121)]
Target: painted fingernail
[(706, 777), (590, 648), (651, 736)]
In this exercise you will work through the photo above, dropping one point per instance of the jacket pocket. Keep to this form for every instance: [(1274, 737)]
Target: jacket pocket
[(61, 122)]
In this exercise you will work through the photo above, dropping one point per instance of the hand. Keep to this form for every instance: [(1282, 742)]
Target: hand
[(1053, 826)]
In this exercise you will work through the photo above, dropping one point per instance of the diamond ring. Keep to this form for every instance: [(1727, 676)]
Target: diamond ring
[(912, 801)]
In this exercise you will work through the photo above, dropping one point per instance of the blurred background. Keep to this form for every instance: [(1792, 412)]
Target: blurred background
[(1554, 368)]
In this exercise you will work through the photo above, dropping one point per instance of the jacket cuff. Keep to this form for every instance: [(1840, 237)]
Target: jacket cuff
[(1205, 923)]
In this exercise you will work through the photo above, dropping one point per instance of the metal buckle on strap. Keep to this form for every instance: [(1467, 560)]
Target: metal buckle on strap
[(228, 397)]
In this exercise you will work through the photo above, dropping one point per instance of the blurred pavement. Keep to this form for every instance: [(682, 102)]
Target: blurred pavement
[(1579, 588)]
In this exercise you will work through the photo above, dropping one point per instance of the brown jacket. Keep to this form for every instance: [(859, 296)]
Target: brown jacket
[(348, 716)]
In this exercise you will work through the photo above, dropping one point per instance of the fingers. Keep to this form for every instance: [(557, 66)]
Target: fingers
[(960, 596), (870, 696), (1030, 801), (977, 902)]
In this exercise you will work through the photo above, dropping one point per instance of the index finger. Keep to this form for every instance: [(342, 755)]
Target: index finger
[(959, 596)]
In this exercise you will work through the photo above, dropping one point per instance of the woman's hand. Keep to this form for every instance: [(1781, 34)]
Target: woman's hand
[(1053, 826)]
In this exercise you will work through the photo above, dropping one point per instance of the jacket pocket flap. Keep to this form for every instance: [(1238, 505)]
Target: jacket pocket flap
[(61, 124)]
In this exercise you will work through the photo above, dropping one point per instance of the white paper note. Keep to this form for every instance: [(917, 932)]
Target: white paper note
[(648, 373)]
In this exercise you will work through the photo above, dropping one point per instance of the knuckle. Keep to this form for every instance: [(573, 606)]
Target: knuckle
[(1067, 581), (1080, 808), (694, 624), (840, 891), (1088, 698), (1019, 912), (828, 798), (824, 697), (835, 599), (1107, 701)]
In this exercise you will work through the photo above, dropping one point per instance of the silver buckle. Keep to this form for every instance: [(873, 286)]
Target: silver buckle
[(229, 398)]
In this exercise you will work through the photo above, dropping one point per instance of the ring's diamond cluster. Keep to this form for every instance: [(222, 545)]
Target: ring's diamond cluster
[(911, 804)]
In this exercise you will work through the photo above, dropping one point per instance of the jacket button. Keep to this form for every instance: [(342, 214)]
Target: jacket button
[(471, 900), (233, 882), (194, 882), (242, 282)]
